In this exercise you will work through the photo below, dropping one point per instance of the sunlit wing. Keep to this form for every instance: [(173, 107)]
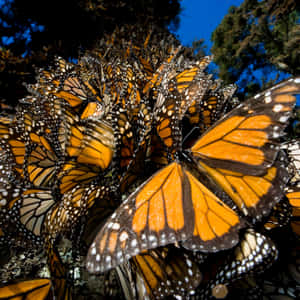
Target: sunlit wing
[(170, 206), (175, 96), (254, 195), (245, 140)]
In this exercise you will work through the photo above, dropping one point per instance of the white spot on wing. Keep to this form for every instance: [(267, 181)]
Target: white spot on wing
[(277, 108), (123, 236)]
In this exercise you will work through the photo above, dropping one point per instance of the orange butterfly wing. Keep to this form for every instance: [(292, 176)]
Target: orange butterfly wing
[(166, 271), (30, 289), (238, 152), (171, 206), (92, 145), (61, 287), (293, 196), (174, 206), (42, 166), (254, 195), (245, 139)]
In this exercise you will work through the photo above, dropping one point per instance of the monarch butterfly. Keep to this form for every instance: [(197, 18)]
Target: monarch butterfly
[(26, 290), (293, 151), (66, 84), (160, 272), (131, 80), (124, 136), (30, 211), (160, 71), (166, 116), (72, 91), (175, 97), (73, 174), (29, 123), (144, 146), (75, 203), (62, 288), (13, 147), (280, 215), (206, 112), (191, 74), (92, 144), (173, 205), (293, 195), (64, 129), (254, 253), (42, 165)]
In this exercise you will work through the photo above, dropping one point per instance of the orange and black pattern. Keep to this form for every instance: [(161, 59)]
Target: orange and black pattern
[(239, 153), (161, 272), (133, 160), (26, 290)]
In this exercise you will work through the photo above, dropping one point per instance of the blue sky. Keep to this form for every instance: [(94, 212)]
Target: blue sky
[(199, 18)]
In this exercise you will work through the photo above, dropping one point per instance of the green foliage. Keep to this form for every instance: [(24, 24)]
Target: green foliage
[(258, 35)]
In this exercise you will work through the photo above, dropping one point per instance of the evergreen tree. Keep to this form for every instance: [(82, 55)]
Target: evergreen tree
[(33, 32), (257, 39)]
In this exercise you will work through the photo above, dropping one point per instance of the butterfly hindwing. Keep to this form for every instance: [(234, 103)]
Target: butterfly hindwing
[(293, 195), (166, 271), (254, 195), (253, 254), (31, 210), (174, 206), (293, 151)]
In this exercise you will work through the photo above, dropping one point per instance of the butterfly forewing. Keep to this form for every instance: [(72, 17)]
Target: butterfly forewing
[(253, 254), (293, 151), (166, 271), (238, 153), (145, 224), (245, 140), (30, 289), (171, 206)]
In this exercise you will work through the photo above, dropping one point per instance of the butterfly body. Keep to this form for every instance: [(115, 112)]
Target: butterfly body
[(238, 153)]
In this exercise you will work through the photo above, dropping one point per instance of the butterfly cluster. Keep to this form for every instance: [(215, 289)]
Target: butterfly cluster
[(149, 167)]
